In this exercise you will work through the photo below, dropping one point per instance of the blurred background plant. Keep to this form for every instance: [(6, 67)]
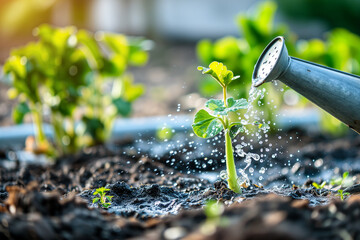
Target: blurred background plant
[(334, 14), (339, 50), (80, 78), (170, 78)]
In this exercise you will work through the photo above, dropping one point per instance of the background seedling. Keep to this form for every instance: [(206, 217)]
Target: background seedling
[(342, 195), (317, 186), (103, 200), (343, 181), (78, 77)]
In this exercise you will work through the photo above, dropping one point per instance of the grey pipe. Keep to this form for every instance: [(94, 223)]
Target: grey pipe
[(335, 91)]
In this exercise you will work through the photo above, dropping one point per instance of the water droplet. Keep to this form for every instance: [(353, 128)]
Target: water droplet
[(223, 175)]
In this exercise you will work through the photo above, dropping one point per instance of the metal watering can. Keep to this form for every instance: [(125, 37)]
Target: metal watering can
[(335, 91)]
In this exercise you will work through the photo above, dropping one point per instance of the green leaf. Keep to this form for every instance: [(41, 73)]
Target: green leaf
[(336, 181), (109, 197), (316, 185), (95, 200), (235, 130), (138, 58), (91, 48), (93, 125), (19, 112), (323, 184), (206, 125), (215, 105), (15, 65), (219, 72), (132, 91), (123, 107), (106, 205), (345, 175), (233, 105)]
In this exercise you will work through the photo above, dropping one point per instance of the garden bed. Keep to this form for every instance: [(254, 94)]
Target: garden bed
[(156, 197)]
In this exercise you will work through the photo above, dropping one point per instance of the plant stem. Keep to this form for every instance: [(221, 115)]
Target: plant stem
[(224, 94), (58, 130), (230, 164), (38, 122)]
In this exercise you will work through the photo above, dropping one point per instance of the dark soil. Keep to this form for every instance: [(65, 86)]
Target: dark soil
[(157, 199)]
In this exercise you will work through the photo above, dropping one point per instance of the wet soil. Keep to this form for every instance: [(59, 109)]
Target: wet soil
[(155, 198)]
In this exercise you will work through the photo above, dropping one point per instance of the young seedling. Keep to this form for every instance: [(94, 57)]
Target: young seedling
[(341, 181), (103, 200), (317, 186), (342, 194), (207, 125)]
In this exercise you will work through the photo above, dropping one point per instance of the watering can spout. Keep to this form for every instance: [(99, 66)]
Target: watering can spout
[(335, 91)]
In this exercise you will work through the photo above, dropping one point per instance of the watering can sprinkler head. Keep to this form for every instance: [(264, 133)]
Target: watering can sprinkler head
[(272, 63), (335, 91)]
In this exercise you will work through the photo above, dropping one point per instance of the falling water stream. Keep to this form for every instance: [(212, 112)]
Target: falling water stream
[(251, 116)]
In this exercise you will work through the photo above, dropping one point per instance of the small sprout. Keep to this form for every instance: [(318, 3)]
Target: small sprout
[(341, 181), (342, 194), (317, 186), (103, 200)]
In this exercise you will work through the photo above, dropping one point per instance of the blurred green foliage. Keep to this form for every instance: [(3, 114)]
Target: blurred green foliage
[(165, 133), (333, 13), (339, 50), (241, 54), (80, 77)]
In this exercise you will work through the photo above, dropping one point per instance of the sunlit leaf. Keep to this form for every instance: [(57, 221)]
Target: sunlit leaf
[(138, 58), (116, 43), (130, 90), (219, 72)]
